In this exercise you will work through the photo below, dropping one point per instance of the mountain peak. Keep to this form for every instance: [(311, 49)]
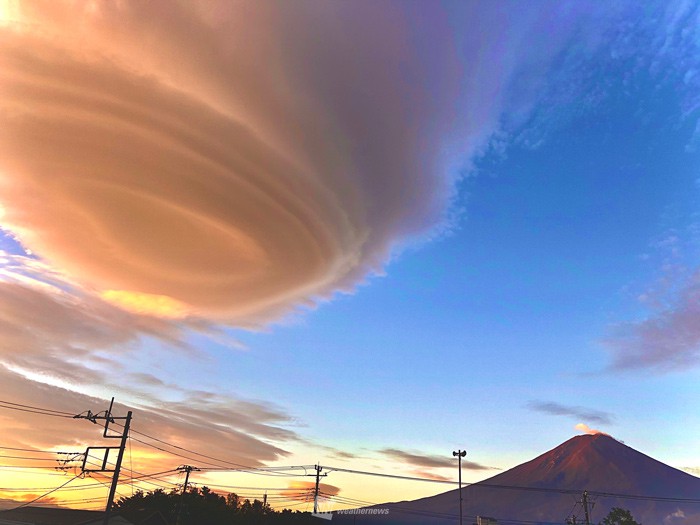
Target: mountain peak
[(597, 463), (580, 448)]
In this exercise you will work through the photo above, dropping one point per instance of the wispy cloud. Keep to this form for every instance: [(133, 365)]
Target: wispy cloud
[(665, 341), (667, 338), (54, 328), (429, 461), (578, 412), (57, 341), (669, 55), (677, 516), (235, 431)]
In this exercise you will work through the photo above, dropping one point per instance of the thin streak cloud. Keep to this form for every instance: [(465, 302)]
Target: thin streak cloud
[(429, 461), (558, 409)]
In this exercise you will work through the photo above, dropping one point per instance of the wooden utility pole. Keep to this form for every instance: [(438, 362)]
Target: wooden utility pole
[(104, 467), (118, 466), (187, 469), (319, 468)]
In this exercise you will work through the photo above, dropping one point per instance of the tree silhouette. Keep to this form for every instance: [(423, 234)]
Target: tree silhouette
[(205, 507), (619, 516)]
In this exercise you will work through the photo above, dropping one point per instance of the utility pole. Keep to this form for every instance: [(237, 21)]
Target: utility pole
[(585, 507), (187, 469), (123, 436), (318, 468), (459, 454), (318, 475), (118, 466)]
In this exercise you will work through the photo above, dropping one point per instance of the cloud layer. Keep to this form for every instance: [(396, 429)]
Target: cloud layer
[(56, 342), (236, 431), (236, 161), (205, 166)]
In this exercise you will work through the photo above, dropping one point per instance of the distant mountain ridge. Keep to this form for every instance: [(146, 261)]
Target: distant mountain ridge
[(546, 489)]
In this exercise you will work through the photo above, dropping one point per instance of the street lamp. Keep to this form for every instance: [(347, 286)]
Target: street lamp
[(459, 454)]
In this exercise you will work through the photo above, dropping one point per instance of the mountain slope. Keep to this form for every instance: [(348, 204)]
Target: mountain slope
[(546, 489)]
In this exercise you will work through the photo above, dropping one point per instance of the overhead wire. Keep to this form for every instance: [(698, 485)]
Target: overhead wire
[(131, 463), (282, 471), (34, 410), (40, 451), (239, 467), (42, 496), (211, 466), (673, 499), (393, 476), (28, 458)]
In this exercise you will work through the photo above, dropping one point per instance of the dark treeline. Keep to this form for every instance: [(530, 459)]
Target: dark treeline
[(204, 507)]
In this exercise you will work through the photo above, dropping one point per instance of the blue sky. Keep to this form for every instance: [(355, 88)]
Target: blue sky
[(553, 246), (487, 244)]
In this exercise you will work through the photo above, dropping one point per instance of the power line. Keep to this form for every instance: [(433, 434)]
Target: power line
[(71, 502), (672, 499), (263, 471), (89, 486), (37, 408), (144, 478), (34, 410), (21, 470), (170, 451), (280, 471), (40, 451), (253, 488), (28, 466), (428, 513), (239, 467), (178, 447), (42, 496), (393, 476), (28, 458), (643, 497)]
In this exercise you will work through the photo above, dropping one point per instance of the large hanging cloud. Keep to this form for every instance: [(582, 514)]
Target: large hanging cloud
[(235, 160)]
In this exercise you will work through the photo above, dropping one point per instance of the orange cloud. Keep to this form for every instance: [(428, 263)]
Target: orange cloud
[(306, 490), (235, 431), (182, 178), (588, 430), (431, 475), (143, 303)]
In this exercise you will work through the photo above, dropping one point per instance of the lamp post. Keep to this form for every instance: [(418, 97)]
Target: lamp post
[(459, 454)]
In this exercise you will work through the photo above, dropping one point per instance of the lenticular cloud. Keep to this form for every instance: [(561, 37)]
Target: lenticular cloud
[(227, 160)]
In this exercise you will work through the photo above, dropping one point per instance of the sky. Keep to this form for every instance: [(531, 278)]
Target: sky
[(360, 234)]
